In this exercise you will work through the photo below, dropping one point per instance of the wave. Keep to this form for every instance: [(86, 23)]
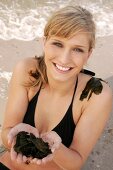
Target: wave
[(6, 75), (25, 20)]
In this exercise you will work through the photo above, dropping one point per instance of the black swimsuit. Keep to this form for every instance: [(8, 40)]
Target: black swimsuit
[(64, 129)]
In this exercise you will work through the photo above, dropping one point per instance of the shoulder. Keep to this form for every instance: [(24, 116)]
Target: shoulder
[(105, 95), (26, 64), (23, 67), (96, 94), (20, 77)]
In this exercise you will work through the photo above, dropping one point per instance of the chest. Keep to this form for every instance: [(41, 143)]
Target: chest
[(50, 111)]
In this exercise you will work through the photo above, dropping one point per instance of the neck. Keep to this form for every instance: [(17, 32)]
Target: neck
[(61, 88)]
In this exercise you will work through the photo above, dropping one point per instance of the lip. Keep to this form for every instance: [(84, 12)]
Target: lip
[(62, 71)]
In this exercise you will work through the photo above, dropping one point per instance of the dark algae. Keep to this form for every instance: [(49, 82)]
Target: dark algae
[(30, 146), (94, 85)]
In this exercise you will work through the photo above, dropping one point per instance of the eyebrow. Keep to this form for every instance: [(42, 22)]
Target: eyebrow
[(73, 45), (57, 40)]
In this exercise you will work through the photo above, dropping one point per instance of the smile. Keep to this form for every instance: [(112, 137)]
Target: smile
[(62, 68)]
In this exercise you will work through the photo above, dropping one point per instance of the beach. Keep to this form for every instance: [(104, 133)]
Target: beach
[(101, 62), (21, 22)]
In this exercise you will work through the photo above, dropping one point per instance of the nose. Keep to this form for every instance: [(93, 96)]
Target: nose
[(65, 57)]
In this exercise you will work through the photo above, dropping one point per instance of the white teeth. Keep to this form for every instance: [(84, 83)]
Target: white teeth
[(62, 68)]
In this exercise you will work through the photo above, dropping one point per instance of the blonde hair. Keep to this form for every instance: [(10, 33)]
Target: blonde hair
[(65, 23), (70, 20)]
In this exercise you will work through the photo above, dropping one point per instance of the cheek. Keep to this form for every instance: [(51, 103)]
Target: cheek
[(80, 60), (49, 55), (49, 51)]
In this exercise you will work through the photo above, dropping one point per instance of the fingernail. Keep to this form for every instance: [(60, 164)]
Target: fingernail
[(38, 162), (52, 150)]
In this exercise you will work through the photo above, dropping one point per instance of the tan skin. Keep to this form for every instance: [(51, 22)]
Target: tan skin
[(89, 116)]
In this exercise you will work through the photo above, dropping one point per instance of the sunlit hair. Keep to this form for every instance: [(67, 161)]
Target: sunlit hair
[(70, 20), (65, 23)]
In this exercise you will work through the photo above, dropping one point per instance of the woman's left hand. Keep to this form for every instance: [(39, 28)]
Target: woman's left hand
[(54, 141)]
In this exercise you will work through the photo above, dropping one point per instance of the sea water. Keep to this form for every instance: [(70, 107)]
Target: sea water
[(25, 19)]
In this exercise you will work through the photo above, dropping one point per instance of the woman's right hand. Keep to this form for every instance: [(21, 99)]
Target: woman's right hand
[(21, 127), (12, 139)]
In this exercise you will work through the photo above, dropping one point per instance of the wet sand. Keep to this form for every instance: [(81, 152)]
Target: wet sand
[(101, 62)]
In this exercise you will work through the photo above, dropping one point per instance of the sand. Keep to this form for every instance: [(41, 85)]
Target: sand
[(101, 62)]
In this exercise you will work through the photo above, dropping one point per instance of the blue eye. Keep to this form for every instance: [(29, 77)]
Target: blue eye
[(78, 50), (57, 44)]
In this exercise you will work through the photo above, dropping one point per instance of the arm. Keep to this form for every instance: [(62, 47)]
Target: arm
[(89, 128), (17, 99)]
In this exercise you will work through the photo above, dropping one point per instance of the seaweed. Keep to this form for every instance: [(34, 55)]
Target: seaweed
[(94, 85), (30, 146)]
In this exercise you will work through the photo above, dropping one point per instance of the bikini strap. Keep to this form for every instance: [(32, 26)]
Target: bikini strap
[(74, 90), (88, 72), (35, 97)]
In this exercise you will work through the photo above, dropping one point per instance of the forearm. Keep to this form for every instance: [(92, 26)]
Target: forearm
[(68, 159)]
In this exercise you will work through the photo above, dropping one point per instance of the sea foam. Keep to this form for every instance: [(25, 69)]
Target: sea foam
[(25, 20)]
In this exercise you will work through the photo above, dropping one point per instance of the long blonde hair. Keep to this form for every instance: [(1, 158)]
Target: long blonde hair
[(65, 23)]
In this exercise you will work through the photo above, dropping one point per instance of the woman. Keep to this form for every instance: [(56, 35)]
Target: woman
[(55, 99)]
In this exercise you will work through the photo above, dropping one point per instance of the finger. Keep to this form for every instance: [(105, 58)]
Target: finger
[(19, 158), (34, 160), (39, 161), (24, 158), (45, 137), (10, 136), (55, 146), (13, 154), (53, 149), (12, 133), (28, 160), (35, 132), (47, 159)]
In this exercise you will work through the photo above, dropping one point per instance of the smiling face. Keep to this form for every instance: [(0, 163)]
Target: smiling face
[(64, 58)]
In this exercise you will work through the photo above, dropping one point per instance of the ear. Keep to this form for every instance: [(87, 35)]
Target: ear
[(88, 56), (90, 52)]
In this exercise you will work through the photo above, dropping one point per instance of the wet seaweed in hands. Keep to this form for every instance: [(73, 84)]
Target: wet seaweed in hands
[(94, 85), (30, 146)]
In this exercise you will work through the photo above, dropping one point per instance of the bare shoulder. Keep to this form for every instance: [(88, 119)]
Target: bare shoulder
[(107, 91), (95, 96), (23, 67), (98, 95), (26, 64), (93, 87), (104, 97)]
